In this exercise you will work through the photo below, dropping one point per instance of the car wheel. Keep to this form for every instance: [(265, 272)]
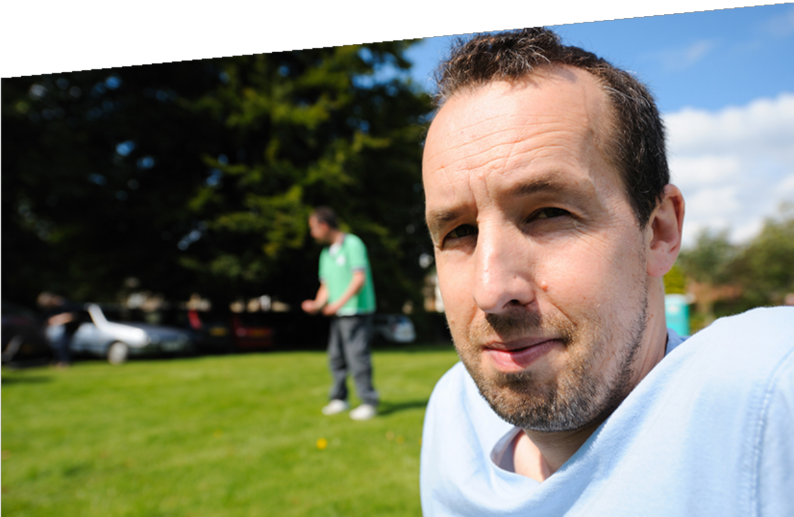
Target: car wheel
[(118, 352)]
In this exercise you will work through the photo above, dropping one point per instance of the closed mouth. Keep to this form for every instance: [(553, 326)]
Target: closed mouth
[(517, 355)]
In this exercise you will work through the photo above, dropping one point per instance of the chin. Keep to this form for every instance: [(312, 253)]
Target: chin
[(567, 394)]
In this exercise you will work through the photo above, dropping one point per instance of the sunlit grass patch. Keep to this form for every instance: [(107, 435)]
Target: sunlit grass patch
[(210, 436)]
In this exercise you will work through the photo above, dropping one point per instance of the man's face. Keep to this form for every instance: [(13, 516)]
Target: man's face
[(319, 230), (540, 259)]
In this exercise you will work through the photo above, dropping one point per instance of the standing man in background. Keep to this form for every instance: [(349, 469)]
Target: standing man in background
[(347, 295), (59, 313)]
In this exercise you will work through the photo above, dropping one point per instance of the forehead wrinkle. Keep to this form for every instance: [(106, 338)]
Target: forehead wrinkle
[(477, 150), (474, 144)]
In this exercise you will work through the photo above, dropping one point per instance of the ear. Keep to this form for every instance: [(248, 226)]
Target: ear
[(664, 232)]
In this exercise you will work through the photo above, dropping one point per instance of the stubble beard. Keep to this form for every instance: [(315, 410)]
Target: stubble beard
[(583, 395)]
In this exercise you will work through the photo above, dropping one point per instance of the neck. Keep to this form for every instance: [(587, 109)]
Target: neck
[(336, 237), (539, 455)]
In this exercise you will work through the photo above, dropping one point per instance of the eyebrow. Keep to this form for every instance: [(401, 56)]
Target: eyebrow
[(545, 184), (440, 218)]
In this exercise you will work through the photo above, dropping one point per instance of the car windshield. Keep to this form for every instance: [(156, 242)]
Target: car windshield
[(128, 315)]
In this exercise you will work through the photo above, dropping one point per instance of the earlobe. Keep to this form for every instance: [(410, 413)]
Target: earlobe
[(665, 226)]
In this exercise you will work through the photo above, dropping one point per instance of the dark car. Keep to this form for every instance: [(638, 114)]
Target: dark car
[(211, 331), (250, 331), (23, 338)]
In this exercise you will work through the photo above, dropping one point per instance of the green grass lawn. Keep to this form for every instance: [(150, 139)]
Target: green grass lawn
[(213, 436)]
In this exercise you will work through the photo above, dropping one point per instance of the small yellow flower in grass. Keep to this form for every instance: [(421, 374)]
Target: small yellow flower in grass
[(218, 433), (322, 443), (399, 439)]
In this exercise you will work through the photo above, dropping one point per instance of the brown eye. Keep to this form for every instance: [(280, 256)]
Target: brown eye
[(548, 213), (461, 231)]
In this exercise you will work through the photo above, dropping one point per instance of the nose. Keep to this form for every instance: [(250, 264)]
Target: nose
[(503, 270)]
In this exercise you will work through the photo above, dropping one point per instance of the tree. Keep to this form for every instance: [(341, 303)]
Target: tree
[(199, 176), (765, 267), (95, 166), (675, 281), (708, 267), (301, 129), (728, 279)]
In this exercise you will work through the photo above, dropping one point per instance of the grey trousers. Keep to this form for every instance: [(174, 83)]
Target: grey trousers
[(349, 353)]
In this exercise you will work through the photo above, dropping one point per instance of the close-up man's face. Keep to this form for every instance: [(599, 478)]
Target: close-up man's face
[(541, 261)]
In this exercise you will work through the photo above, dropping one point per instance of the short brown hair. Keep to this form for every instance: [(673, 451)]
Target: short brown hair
[(326, 215), (636, 145)]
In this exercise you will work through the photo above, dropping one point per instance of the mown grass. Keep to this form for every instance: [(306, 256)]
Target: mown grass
[(213, 436)]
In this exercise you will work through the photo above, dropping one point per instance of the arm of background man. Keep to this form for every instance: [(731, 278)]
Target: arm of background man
[(355, 285), (312, 306), (60, 319)]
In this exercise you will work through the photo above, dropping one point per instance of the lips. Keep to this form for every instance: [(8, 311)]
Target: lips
[(517, 355)]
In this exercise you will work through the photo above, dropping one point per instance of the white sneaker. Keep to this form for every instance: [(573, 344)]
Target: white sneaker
[(363, 412), (334, 407)]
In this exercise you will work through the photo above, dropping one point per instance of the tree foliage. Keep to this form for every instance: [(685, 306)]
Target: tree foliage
[(765, 268), (199, 176), (709, 261), (728, 278), (675, 281), (94, 169)]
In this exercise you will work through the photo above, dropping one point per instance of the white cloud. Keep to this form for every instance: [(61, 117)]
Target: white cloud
[(684, 57), (782, 26), (735, 166), (786, 186), (713, 203), (694, 171), (698, 50), (748, 230), (765, 125)]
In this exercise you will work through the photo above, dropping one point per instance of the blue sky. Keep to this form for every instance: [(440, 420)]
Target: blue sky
[(724, 81)]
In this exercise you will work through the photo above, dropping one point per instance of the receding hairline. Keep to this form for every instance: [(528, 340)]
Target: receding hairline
[(602, 116), (632, 138), (544, 72)]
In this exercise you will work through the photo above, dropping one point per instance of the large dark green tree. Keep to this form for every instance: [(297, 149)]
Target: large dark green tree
[(303, 129), (198, 176), (94, 173)]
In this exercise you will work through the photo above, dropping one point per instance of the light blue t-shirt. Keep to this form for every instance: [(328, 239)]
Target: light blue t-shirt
[(708, 432)]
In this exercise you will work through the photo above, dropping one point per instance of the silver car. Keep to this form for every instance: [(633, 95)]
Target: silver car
[(394, 328), (117, 341)]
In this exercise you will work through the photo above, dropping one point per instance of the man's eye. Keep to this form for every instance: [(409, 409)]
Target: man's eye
[(461, 231), (548, 213)]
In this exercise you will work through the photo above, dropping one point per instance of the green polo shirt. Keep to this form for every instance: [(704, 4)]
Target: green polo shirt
[(337, 264)]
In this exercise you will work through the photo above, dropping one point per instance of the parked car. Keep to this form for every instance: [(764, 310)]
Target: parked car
[(23, 338), (210, 331), (116, 336), (251, 332), (213, 330), (394, 328)]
